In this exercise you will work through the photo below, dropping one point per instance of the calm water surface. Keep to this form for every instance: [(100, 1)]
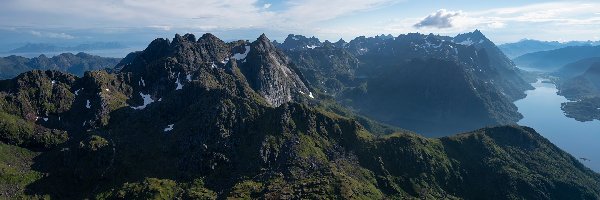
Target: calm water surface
[(541, 111)]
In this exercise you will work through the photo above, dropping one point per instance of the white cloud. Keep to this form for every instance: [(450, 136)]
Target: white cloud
[(496, 24), (8, 28), (267, 5), (544, 12), (546, 21), (161, 27), (440, 19), (52, 35)]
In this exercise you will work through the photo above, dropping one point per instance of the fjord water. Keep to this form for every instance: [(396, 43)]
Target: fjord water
[(541, 111)]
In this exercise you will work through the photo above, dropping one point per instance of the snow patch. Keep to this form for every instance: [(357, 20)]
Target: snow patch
[(212, 65), (45, 119), (311, 46), (142, 82), (107, 90), (242, 56), (147, 100), (429, 44), (467, 42), (311, 95), (77, 91), (188, 77), (53, 82), (87, 104), (179, 85), (169, 128), (224, 61)]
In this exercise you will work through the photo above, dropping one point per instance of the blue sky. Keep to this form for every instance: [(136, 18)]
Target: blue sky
[(139, 21)]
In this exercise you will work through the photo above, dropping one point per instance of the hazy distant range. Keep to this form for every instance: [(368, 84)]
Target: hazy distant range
[(104, 49)]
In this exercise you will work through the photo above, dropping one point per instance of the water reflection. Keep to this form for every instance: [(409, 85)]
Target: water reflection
[(541, 111)]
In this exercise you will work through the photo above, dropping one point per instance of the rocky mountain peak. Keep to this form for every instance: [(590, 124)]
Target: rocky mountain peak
[(157, 48), (341, 43), (506, 73), (263, 43), (299, 42), (270, 73), (475, 38), (327, 43), (209, 37)]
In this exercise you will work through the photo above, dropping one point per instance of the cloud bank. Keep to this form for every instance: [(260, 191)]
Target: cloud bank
[(52, 35), (330, 19)]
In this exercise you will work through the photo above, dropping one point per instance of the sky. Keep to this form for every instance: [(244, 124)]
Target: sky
[(140, 21)]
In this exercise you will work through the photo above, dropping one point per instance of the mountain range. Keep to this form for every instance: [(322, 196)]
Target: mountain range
[(45, 47), (201, 118), (76, 64), (411, 74), (525, 46), (576, 68), (549, 61)]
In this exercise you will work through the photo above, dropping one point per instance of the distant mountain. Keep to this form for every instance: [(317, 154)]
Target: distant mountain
[(554, 59), (67, 62), (583, 91), (576, 68), (43, 47), (403, 81), (299, 42), (194, 119), (513, 50), (582, 86)]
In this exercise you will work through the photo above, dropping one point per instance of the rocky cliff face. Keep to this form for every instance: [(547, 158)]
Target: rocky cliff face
[(271, 73)]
